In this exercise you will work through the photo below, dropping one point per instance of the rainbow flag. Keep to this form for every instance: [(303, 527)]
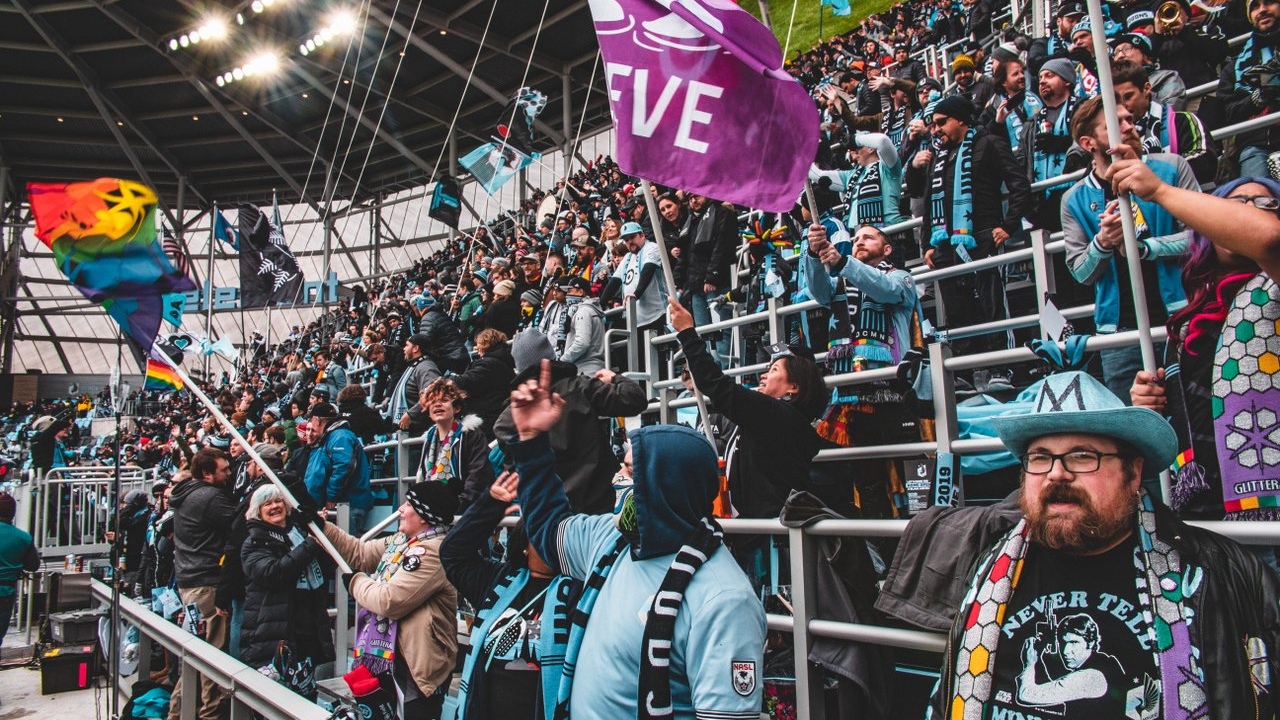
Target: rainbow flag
[(161, 377), (103, 237)]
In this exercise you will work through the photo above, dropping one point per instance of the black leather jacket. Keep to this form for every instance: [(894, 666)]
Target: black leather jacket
[(1236, 605)]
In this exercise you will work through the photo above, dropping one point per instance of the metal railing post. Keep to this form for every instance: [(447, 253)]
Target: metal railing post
[(402, 455), (1043, 270), (633, 349), (342, 619), (810, 702), (144, 654), (775, 322), (946, 426), (190, 688), (665, 414)]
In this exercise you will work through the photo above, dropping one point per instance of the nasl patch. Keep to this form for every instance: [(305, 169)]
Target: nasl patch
[(744, 677)]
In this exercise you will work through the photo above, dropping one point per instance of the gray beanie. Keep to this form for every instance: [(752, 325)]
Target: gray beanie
[(530, 348), (1061, 67), (270, 454)]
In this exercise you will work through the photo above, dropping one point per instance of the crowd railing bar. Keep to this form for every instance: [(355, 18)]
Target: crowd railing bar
[(248, 687), (1001, 357)]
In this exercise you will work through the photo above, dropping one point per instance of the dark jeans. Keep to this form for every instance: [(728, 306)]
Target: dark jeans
[(6, 613)]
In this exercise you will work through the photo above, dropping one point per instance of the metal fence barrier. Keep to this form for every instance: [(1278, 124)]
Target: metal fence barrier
[(74, 506), (251, 691)]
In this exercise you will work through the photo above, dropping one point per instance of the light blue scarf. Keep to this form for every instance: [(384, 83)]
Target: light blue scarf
[(961, 225), (556, 614)]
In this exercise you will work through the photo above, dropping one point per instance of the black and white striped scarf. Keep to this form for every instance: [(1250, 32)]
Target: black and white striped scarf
[(660, 627)]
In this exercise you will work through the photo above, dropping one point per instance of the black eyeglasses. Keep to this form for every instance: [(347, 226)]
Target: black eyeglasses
[(939, 121), (1076, 461), (1266, 202)]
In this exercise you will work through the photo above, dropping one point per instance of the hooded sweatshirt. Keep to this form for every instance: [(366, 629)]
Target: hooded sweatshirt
[(201, 521), (718, 645)]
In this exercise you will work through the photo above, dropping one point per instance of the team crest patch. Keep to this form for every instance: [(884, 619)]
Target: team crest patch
[(744, 677), (411, 563)]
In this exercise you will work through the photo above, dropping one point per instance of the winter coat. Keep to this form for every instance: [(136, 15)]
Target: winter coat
[(584, 455), (468, 460), (338, 470), (202, 519), (446, 344), (503, 315), (275, 608), (584, 343), (487, 384), (1236, 627), (417, 376), (365, 422), (422, 600), (713, 240), (775, 444)]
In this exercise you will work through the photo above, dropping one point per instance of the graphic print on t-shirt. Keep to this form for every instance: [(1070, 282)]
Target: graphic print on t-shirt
[(1070, 648)]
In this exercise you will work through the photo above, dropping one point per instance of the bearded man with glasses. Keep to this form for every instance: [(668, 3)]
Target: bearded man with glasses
[(1099, 602)]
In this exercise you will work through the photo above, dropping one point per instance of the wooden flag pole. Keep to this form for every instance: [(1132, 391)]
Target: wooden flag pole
[(290, 500), (669, 277)]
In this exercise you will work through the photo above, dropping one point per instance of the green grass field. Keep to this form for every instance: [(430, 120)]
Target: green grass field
[(804, 29)]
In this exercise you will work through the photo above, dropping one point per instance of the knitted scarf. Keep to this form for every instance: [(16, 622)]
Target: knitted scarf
[(1045, 165), (1250, 55), (437, 461), (578, 627), (865, 197), (1163, 583), (1246, 402), (871, 330), (959, 230), (660, 627), (550, 653), (376, 636)]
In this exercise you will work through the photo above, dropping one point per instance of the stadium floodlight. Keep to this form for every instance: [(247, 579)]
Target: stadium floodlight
[(213, 28)]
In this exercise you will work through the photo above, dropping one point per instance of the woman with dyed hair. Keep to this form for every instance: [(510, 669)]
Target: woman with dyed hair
[(1221, 379)]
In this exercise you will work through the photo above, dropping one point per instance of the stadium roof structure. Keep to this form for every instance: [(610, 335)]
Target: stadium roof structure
[(344, 108), (123, 88)]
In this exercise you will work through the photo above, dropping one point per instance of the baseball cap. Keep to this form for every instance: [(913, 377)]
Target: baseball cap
[(1070, 9), (631, 228)]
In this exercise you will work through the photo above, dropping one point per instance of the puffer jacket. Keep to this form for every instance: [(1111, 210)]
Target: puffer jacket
[(202, 519), (422, 600), (584, 455), (1236, 624), (447, 345), (487, 384), (275, 608), (337, 470)]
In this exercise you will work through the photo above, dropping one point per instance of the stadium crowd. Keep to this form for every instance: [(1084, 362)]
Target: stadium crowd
[(493, 350)]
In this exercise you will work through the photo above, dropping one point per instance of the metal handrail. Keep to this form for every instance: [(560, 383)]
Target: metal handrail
[(248, 686)]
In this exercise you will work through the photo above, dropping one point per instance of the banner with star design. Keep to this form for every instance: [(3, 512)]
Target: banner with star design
[(269, 273), (103, 237)]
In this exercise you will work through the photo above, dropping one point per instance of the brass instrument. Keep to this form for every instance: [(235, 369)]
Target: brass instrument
[(1169, 18)]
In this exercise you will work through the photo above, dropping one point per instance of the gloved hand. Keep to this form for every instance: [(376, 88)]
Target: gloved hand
[(346, 581), (302, 517), (1053, 144)]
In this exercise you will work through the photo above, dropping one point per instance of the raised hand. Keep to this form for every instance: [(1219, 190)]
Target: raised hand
[(534, 408), (505, 488), (680, 318)]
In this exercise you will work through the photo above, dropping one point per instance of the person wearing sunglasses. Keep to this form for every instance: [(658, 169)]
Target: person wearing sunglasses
[(1218, 379), (976, 195), (1099, 602)]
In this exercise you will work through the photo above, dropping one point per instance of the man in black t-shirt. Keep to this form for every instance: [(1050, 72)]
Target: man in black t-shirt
[(1099, 603)]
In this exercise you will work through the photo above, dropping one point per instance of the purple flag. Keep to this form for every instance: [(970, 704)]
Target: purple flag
[(700, 100)]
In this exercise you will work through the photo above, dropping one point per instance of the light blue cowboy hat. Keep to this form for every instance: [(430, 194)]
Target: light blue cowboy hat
[(1075, 402)]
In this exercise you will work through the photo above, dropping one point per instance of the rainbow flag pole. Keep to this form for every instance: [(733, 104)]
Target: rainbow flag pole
[(161, 377)]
